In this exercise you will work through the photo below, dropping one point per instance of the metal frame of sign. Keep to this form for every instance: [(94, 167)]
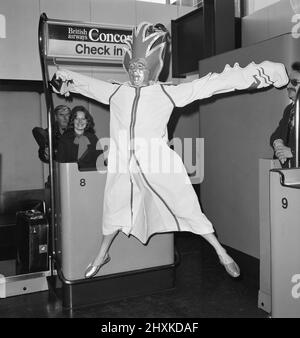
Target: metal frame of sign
[(47, 59)]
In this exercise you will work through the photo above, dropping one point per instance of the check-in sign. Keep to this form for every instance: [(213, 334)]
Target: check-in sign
[(87, 41)]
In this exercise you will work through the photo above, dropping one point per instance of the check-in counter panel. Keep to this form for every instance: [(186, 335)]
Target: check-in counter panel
[(79, 196)]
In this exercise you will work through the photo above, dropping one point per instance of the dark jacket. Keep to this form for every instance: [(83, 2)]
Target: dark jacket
[(42, 138), (67, 151), (286, 132)]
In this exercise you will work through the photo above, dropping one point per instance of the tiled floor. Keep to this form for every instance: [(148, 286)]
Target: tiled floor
[(203, 290)]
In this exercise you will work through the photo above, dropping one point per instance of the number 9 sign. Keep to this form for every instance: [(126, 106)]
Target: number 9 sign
[(285, 203)]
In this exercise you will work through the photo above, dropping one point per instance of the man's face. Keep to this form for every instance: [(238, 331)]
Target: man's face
[(62, 119), (293, 85), (138, 73)]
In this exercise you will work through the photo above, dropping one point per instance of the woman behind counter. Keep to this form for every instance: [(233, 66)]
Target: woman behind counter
[(78, 144)]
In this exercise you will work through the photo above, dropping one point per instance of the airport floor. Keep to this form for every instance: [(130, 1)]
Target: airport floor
[(203, 290)]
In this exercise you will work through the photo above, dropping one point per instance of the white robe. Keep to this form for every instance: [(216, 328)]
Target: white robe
[(148, 190)]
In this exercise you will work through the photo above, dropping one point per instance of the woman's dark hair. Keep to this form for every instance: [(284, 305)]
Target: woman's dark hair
[(90, 121)]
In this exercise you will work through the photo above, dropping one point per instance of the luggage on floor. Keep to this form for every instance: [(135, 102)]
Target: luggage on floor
[(32, 232)]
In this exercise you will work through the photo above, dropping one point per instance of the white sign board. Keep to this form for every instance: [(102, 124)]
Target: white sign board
[(87, 41)]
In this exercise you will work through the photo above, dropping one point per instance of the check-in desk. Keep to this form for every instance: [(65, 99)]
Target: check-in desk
[(279, 199), (134, 268), (285, 242), (264, 295)]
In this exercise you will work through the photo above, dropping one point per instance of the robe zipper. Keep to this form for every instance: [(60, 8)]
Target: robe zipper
[(131, 132), (132, 154)]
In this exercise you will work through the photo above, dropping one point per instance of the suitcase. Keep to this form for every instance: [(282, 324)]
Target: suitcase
[(32, 232)]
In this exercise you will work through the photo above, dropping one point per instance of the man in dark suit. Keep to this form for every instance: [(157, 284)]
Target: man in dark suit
[(62, 115), (283, 138)]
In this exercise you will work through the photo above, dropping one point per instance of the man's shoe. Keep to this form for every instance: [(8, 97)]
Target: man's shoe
[(231, 268), (92, 270)]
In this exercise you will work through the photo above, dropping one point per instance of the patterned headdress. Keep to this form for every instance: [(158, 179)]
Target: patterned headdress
[(148, 42)]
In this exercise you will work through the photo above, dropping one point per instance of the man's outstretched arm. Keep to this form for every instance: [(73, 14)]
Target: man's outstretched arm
[(73, 82), (254, 76)]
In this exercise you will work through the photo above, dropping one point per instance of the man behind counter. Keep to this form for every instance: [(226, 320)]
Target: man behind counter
[(62, 115), (283, 139)]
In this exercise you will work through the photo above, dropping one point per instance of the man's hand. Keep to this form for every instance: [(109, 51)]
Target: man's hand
[(62, 77), (282, 152), (46, 153), (265, 74), (277, 73)]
